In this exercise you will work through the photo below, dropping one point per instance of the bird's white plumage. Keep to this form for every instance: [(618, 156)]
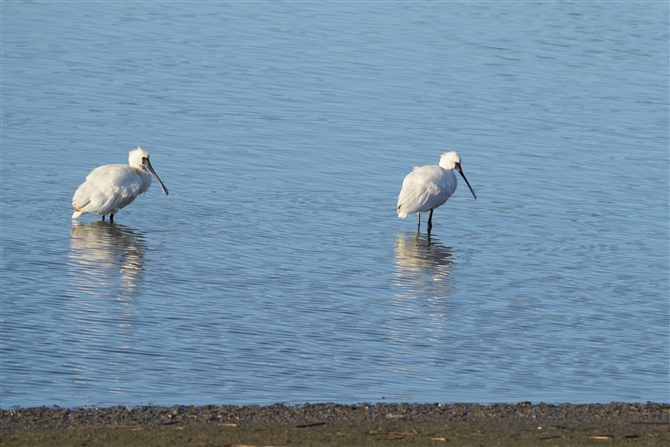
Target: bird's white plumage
[(424, 189), (428, 187), (109, 188)]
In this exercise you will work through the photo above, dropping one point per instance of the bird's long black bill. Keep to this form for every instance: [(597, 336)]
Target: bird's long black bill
[(165, 191), (460, 171)]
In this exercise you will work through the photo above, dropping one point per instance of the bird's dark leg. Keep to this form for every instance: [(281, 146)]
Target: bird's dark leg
[(430, 220), (111, 217), (103, 217), (419, 227)]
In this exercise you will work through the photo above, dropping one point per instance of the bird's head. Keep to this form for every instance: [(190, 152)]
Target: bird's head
[(138, 158), (449, 160)]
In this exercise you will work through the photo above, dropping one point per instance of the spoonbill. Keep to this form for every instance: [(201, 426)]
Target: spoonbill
[(109, 188), (427, 187)]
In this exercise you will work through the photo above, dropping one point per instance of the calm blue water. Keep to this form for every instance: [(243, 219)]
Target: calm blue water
[(276, 270)]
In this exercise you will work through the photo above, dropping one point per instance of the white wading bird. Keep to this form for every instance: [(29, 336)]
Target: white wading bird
[(427, 187), (109, 188)]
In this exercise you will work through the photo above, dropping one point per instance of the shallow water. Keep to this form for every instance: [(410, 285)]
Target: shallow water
[(276, 270)]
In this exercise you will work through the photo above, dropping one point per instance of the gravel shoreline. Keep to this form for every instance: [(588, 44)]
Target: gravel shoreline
[(336, 424)]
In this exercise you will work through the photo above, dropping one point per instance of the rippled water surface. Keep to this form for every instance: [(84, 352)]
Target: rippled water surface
[(277, 270)]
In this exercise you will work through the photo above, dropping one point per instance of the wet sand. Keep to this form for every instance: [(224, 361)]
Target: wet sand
[(329, 424)]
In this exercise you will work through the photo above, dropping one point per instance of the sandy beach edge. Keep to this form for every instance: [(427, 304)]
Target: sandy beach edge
[(359, 424)]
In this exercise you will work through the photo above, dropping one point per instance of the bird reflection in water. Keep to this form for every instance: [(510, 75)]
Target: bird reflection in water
[(106, 258), (423, 266)]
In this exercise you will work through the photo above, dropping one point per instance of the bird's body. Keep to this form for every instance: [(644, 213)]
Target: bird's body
[(428, 187), (109, 188), (424, 189)]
